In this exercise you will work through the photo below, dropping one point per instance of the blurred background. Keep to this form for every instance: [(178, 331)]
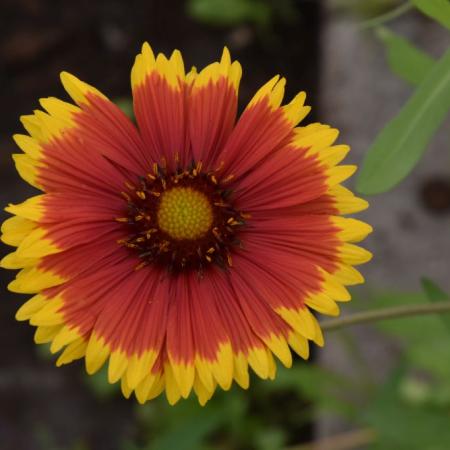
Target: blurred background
[(384, 386)]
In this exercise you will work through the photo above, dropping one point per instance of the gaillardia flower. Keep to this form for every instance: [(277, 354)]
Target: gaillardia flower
[(188, 247)]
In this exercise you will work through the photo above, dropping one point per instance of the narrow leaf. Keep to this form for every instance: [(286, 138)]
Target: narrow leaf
[(438, 10), (436, 294), (433, 291), (405, 60), (400, 145)]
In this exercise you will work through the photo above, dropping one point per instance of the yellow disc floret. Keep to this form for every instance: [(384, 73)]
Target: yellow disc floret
[(184, 213)]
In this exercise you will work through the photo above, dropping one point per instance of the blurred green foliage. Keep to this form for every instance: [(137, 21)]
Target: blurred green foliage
[(401, 424), (126, 105), (425, 338), (438, 10), (401, 143), (366, 8), (230, 12), (99, 385), (260, 13), (412, 410), (405, 60)]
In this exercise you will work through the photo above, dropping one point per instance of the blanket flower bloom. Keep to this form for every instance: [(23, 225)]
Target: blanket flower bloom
[(188, 247)]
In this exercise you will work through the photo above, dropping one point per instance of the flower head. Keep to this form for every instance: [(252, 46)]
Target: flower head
[(188, 247)]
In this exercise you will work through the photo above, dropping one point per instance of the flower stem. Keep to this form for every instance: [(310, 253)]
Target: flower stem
[(387, 17), (385, 313)]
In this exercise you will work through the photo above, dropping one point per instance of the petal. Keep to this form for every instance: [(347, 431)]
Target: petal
[(212, 108), (73, 148), (103, 126), (27, 169), (33, 279), (15, 229), (158, 86), (196, 338), (32, 209), (336, 200), (298, 173), (247, 347), (285, 179), (264, 322), (65, 221), (85, 257), (263, 128)]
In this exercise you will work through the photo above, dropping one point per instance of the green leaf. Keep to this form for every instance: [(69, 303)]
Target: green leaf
[(403, 426), (405, 60), (433, 291), (439, 10), (99, 384), (229, 12), (189, 434), (271, 439), (388, 16), (400, 145), (126, 105), (318, 385), (436, 294), (185, 427), (367, 8), (425, 338)]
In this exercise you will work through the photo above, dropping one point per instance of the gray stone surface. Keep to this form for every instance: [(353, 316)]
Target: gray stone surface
[(359, 95)]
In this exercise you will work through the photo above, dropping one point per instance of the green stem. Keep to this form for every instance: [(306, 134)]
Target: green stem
[(385, 313), (387, 17)]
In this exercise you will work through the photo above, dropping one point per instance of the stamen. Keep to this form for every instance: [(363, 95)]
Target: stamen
[(182, 220), (141, 265), (229, 260), (228, 178)]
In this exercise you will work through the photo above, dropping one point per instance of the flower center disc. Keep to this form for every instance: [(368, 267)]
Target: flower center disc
[(182, 220), (185, 213)]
